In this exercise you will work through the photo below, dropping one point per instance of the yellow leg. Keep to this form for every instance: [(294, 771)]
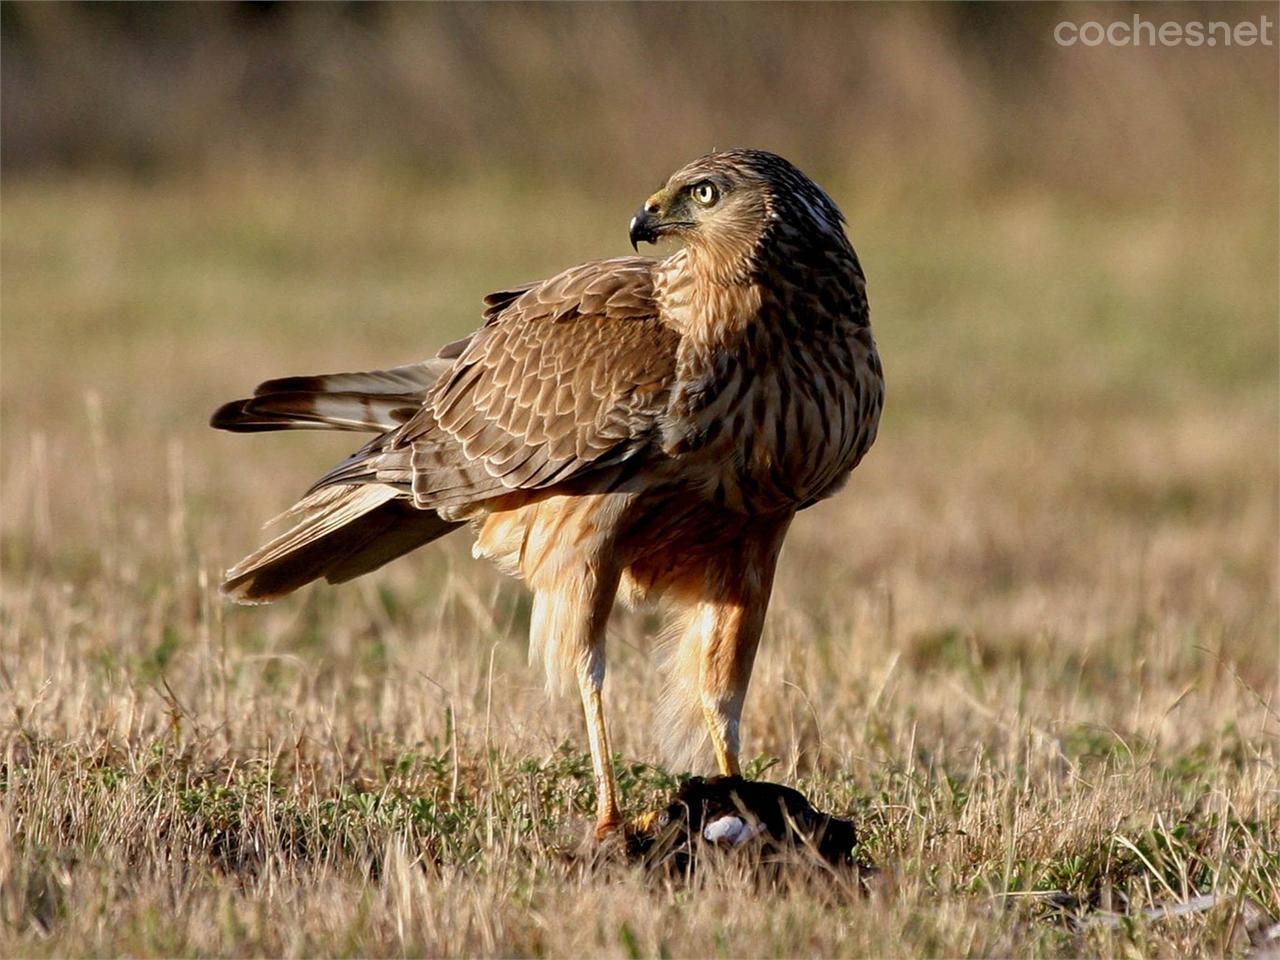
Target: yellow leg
[(608, 817), (723, 742)]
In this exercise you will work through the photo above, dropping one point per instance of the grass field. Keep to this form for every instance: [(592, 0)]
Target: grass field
[(1032, 648)]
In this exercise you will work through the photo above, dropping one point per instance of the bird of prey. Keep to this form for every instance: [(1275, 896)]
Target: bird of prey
[(630, 427)]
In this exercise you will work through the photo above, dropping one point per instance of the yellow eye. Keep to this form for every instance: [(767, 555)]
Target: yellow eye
[(705, 193)]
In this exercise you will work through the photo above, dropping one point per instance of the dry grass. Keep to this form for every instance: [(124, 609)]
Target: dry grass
[(1032, 648)]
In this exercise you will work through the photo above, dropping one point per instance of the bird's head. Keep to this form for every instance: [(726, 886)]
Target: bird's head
[(731, 202)]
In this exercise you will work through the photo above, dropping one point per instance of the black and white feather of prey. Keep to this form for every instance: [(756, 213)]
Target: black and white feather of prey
[(343, 531)]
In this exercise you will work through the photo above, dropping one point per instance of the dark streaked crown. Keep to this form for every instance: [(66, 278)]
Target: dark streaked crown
[(793, 196)]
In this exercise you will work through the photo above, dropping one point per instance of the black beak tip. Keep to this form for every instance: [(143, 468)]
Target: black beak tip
[(641, 229)]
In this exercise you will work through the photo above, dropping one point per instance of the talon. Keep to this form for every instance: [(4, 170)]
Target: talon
[(646, 822)]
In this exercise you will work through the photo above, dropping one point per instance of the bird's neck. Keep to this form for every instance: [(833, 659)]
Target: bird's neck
[(708, 303), (772, 305)]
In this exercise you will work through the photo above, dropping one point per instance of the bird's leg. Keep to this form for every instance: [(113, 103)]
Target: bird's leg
[(723, 727), (724, 627), (567, 632), (591, 684), (729, 635)]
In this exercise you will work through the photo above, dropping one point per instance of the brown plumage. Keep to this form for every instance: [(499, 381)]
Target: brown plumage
[(633, 425)]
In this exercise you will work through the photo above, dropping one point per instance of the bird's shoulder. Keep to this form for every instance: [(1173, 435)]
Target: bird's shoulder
[(579, 344), (619, 288), (567, 374)]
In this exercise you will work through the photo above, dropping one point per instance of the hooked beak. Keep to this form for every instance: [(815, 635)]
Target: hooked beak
[(645, 226)]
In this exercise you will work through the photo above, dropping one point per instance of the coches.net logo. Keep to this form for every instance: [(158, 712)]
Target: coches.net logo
[(1140, 32)]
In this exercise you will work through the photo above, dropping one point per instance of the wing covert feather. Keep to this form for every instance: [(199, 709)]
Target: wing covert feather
[(566, 375)]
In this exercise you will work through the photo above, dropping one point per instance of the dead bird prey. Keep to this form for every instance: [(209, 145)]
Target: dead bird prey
[(730, 812), (631, 426)]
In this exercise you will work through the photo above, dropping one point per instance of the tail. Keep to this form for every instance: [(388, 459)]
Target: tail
[(377, 401), (344, 530), (342, 533)]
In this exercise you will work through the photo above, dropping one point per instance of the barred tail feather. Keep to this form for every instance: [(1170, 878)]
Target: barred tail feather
[(377, 400), (343, 532)]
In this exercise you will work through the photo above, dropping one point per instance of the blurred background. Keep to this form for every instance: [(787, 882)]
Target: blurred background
[(877, 97), (1071, 252)]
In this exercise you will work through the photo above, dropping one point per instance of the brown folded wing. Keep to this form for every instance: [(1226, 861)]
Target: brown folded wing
[(566, 376)]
